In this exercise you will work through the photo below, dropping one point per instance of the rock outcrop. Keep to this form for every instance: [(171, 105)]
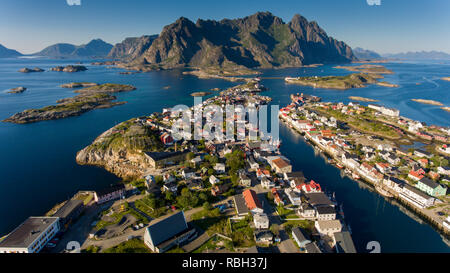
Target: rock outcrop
[(69, 68), (30, 70), (17, 90), (120, 149)]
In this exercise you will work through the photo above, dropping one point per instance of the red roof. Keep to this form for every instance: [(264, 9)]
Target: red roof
[(251, 199)]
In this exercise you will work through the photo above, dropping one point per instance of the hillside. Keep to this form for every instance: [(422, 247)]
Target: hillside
[(95, 48), (261, 40), (8, 53)]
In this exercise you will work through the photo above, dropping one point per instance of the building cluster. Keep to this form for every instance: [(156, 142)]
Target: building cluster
[(412, 174)]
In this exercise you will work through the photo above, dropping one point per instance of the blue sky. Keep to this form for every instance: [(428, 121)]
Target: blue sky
[(394, 26)]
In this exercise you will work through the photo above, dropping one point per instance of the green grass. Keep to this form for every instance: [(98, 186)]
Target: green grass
[(131, 246)]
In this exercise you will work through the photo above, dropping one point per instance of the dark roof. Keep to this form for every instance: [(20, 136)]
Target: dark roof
[(163, 229), (68, 208), (111, 189), (423, 152), (240, 205), (300, 234), (318, 198), (396, 180), (325, 210), (430, 183), (25, 234), (312, 248), (295, 175), (164, 155), (263, 234), (344, 242)]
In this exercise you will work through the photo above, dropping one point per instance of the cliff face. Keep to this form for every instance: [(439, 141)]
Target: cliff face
[(132, 47), (261, 40), (120, 150)]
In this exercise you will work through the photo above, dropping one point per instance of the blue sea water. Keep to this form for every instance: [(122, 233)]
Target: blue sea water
[(37, 161)]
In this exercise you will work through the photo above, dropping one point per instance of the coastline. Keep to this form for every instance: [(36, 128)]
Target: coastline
[(437, 226)]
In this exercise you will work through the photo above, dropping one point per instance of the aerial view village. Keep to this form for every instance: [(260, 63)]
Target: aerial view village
[(242, 196), (224, 135)]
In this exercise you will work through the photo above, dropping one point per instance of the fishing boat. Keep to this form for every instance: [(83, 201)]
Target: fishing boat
[(355, 176), (340, 166)]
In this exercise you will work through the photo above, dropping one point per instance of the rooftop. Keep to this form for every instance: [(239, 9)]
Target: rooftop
[(344, 242), (25, 234), (166, 227), (67, 208)]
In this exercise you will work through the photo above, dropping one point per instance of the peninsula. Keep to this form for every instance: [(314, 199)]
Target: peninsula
[(94, 97)]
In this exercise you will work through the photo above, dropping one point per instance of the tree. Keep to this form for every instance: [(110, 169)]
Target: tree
[(190, 156), (207, 206), (187, 199), (275, 228), (235, 160), (169, 196)]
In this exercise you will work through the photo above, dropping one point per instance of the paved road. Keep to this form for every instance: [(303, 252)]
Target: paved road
[(286, 245)]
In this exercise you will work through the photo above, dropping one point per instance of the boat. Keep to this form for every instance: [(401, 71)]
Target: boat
[(340, 166), (355, 176)]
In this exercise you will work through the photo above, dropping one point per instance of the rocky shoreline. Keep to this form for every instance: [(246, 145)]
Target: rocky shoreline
[(94, 97), (118, 151)]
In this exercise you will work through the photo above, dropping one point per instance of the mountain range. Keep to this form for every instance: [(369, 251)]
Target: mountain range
[(261, 40), (364, 54), (8, 53), (420, 55), (96, 48)]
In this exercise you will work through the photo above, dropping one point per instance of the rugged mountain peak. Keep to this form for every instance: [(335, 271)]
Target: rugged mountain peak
[(256, 41)]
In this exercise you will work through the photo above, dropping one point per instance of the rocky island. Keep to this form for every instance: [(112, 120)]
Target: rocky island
[(362, 99), (431, 102), (78, 84), (17, 90), (357, 80), (94, 97), (200, 94), (30, 70), (367, 68), (69, 68)]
